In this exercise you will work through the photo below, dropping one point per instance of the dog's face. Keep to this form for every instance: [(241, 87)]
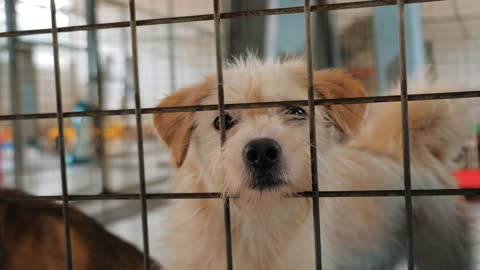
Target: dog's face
[(267, 150)]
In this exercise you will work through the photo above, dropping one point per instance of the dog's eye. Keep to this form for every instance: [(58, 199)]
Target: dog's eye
[(297, 111), (229, 122)]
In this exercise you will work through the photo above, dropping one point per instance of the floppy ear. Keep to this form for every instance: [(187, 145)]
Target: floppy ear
[(337, 83), (175, 129)]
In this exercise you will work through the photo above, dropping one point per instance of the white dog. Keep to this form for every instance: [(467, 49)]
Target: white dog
[(266, 156)]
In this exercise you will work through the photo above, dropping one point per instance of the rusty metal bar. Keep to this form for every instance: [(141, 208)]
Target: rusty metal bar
[(312, 135), (253, 105), (221, 111), (214, 195), (209, 17), (138, 118), (61, 138), (405, 133)]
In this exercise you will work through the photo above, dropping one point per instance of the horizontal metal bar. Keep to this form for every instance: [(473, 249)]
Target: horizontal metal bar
[(238, 106), (470, 18), (214, 195), (209, 17)]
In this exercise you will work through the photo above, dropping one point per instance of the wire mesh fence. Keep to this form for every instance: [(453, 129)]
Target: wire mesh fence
[(137, 111)]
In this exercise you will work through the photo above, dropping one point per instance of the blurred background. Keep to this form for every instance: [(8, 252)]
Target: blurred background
[(443, 38)]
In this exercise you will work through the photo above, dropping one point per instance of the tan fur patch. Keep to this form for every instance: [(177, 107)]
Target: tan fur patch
[(431, 133), (80, 256), (254, 93), (33, 237), (256, 112), (175, 128), (336, 83)]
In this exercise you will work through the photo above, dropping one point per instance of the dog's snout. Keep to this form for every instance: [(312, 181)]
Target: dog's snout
[(263, 159), (262, 153)]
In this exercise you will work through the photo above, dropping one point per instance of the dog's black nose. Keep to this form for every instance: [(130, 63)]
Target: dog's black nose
[(262, 154)]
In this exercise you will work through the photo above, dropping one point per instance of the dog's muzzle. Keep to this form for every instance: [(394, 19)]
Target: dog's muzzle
[(263, 160)]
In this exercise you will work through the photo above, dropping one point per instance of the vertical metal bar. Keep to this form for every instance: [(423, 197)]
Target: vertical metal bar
[(95, 89), (58, 94), (15, 94), (171, 47), (228, 233), (92, 51), (313, 142), (221, 110), (405, 132), (219, 61), (141, 162)]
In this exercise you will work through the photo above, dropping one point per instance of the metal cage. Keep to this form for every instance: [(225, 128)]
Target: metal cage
[(217, 17)]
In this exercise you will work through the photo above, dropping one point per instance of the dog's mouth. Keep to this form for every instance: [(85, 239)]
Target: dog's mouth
[(266, 181)]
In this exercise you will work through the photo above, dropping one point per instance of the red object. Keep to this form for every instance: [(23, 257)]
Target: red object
[(468, 178), (1, 172)]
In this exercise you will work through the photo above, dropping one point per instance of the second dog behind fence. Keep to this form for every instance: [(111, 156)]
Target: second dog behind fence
[(32, 237)]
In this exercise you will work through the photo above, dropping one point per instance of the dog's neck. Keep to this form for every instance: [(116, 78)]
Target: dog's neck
[(257, 224)]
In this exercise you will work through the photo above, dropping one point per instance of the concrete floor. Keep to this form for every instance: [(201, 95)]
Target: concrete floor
[(120, 217)]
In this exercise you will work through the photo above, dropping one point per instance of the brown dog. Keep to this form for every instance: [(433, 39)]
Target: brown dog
[(32, 237)]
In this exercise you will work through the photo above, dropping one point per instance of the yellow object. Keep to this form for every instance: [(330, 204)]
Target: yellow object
[(113, 131), (68, 133)]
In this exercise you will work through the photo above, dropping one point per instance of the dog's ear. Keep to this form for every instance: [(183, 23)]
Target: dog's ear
[(336, 83), (175, 129)]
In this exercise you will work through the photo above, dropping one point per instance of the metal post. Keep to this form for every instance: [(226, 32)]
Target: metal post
[(171, 47), (248, 32), (325, 54), (15, 95), (95, 90)]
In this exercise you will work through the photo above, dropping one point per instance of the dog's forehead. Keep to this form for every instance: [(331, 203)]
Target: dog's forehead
[(261, 84)]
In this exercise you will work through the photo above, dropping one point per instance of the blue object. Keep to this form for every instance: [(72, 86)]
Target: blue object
[(6, 146), (82, 147)]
